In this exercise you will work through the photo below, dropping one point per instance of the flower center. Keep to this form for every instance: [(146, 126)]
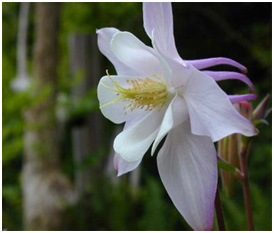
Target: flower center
[(144, 93)]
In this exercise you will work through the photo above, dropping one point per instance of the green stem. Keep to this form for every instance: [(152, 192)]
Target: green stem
[(246, 188), (219, 212)]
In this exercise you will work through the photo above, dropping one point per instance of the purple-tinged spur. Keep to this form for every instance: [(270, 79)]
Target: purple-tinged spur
[(157, 94)]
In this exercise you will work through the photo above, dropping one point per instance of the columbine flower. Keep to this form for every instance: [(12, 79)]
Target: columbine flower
[(156, 94)]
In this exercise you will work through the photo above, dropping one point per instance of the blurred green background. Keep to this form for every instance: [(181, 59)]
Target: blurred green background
[(241, 31)]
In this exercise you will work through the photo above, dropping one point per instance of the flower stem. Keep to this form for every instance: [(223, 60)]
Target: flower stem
[(246, 189), (219, 212)]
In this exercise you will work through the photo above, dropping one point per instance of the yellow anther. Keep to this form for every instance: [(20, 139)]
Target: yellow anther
[(144, 93)]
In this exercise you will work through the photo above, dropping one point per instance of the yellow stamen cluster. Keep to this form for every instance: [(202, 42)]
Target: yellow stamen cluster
[(144, 93)]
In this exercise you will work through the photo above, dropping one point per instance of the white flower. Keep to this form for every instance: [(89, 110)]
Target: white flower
[(157, 94)]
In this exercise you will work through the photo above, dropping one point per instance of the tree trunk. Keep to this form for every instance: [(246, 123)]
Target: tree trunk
[(46, 191)]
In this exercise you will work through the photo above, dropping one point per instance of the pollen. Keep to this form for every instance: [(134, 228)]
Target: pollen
[(142, 93)]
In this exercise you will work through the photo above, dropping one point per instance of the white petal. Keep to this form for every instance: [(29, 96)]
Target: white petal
[(133, 142), (188, 168), (122, 166), (174, 70), (176, 114), (211, 113), (158, 17), (115, 111), (104, 37), (135, 54)]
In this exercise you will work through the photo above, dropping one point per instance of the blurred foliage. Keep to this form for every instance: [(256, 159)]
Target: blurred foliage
[(241, 31)]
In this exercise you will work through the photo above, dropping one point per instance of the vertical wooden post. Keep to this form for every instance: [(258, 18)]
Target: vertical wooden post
[(86, 137), (21, 82)]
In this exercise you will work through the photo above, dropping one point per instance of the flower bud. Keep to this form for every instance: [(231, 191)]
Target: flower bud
[(261, 110), (229, 148)]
